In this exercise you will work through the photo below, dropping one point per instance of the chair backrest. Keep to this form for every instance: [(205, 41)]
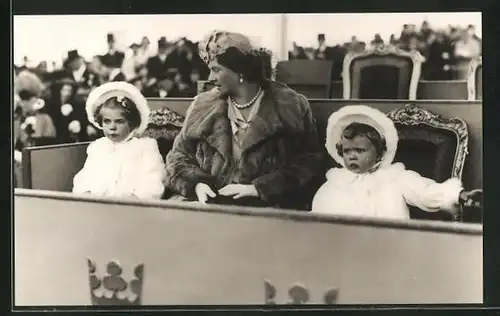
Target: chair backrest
[(432, 145), (475, 79), (312, 78), (64, 163), (381, 73), (164, 125)]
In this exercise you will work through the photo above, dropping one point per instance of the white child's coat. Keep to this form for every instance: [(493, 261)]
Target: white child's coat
[(133, 167), (384, 193)]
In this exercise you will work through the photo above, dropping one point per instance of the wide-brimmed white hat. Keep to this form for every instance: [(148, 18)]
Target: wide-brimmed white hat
[(363, 114), (118, 89)]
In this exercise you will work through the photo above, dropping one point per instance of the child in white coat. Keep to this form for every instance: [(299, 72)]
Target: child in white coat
[(364, 141), (120, 164)]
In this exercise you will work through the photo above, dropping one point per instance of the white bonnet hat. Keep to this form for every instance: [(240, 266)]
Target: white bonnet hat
[(118, 89), (342, 118)]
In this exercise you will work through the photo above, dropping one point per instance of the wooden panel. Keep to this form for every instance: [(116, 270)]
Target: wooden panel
[(53, 167), (470, 111), (196, 254), (442, 90)]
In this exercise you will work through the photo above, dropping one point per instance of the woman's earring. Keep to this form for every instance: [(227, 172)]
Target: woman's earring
[(241, 79)]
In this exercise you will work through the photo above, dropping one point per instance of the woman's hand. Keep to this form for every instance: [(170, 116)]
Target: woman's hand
[(203, 191), (239, 190), (471, 198)]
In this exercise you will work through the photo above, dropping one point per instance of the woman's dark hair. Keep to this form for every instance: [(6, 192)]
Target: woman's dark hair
[(26, 95), (359, 129), (129, 108), (253, 68)]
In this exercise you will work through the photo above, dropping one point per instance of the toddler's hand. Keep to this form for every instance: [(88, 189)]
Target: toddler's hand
[(472, 198)]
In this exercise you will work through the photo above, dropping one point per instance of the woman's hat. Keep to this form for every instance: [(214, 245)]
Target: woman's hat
[(118, 89), (217, 42), (28, 81), (363, 114)]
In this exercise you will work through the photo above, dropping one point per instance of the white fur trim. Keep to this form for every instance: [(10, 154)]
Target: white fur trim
[(114, 89), (340, 119)]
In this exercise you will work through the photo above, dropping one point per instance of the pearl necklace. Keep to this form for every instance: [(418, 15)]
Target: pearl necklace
[(245, 105)]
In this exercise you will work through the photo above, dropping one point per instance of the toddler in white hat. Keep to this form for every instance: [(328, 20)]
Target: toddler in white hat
[(120, 164), (364, 141)]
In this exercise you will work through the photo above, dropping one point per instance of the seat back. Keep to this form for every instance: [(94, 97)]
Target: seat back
[(432, 145), (311, 78), (381, 73), (53, 167), (475, 79)]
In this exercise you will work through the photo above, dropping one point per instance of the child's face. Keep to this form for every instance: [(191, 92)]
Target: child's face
[(115, 126), (359, 154)]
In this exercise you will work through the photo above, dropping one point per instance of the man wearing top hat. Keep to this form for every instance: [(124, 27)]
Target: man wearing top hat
[(323, 51), (163, 63), (76, 70), (113, 58)]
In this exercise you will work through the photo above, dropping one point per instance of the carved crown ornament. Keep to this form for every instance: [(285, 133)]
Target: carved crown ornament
[(411, 114), (383, 51), (472, 87), (113, 290)]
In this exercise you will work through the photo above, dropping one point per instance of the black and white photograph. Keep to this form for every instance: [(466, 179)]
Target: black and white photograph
[(247, 159)]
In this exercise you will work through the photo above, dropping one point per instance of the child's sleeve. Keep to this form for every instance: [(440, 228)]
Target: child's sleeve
[(82, 182), (152, 172), (429, 195)]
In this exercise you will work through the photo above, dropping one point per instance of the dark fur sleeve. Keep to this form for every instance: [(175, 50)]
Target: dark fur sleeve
[(297, 176), (182, 169)]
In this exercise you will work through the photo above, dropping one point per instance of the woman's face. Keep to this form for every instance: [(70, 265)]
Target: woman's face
[(66, 91), (223, 78)]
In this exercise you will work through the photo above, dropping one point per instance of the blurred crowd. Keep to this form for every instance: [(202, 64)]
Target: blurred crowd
[(443, 49), (171, 70), (174, 68)]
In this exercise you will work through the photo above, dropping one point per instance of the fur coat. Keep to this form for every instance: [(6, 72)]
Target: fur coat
[(281, 154)]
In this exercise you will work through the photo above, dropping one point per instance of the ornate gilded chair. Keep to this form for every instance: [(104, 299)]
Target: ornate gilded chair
[(432, 145), (475, 79), (385, 72), (164, 125)]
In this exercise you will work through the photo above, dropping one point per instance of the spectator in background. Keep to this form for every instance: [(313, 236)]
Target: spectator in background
[(131, 62), (297, 52), (77, 70), (159, 65), (439, 58), (323, 52), (467, 46), (425, 32), (68, 113), (145, 51), (113, 58), (377, 41)]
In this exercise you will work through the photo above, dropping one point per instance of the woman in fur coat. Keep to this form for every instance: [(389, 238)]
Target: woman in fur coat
[(249, 140)]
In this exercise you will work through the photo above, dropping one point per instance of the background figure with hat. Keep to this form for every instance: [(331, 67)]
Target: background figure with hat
[(323, 52), (249, 140), (364, 141), (113, 58), (68, 113), (32, 125), (76, 69), (132, 62), (162, 64), (120, 164)]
